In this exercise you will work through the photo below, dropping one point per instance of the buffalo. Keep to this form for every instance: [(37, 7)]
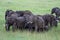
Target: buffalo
[(49, 19), (56, 11), (10, 20)]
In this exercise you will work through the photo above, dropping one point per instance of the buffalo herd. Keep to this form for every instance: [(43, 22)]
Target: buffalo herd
[(27, 20)]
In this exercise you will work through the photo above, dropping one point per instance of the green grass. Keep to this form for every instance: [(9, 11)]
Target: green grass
[(37, 7)]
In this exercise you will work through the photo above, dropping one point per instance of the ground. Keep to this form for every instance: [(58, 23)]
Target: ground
[(37, 7)]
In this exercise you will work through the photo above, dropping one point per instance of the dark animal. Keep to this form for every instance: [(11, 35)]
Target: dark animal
[(56, 11), (40, 24), (10, 20), (49, 19), (29, 21)]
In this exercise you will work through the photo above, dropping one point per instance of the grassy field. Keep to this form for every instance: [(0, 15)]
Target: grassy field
[(37, 7)]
